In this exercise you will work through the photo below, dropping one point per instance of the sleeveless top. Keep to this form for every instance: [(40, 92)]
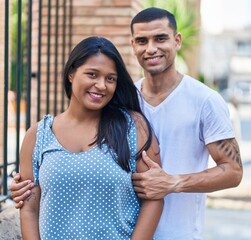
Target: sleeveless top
[(84, 195)]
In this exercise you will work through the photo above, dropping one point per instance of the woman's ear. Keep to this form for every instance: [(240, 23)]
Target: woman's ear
[(70, 77)]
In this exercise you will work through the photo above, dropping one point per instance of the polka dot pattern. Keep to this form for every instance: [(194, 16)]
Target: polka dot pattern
[(84, 195)]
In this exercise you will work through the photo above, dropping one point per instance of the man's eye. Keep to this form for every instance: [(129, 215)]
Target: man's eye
[(141, 41), (161, 39)]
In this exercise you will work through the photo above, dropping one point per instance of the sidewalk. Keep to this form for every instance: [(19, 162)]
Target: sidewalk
[(227, 224)]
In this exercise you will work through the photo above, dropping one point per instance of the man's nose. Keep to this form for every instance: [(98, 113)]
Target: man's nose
[(151, 48)]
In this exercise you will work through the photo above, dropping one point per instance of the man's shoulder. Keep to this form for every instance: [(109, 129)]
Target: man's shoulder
[(195, 84)]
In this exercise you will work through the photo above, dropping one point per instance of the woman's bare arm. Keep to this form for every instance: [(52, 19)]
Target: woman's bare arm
[(150, 210), (30, 211)]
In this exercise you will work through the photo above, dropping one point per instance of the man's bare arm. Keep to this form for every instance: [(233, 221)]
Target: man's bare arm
[(155, 183)]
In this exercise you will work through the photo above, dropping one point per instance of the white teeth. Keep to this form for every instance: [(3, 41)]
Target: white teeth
[(154, 58), (96, 95)]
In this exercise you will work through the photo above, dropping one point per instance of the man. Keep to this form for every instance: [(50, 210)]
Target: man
[(190, 120)]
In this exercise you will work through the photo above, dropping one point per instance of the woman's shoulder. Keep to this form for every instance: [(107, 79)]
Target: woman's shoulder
[(139, 120), (29, 139), (137, 116), (31, 132)]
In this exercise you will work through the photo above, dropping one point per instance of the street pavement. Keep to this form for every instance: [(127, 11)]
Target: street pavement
[(227, 224)]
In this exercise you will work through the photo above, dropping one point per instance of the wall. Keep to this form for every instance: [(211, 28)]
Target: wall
[(108, 18)]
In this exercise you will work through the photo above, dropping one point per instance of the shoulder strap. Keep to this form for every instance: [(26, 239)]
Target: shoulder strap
[(132, 140), (37, 156)]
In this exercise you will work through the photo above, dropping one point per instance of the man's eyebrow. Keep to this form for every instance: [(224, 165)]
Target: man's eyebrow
[(162, 35), (139, 38)]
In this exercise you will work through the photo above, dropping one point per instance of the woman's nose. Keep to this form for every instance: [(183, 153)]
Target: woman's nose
[(100, 84)]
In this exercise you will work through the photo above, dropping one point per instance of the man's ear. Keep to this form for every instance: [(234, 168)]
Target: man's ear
[(132, 44), (178, 40)]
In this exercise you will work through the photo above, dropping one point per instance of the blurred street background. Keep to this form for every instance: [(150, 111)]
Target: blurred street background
[(228, 215)]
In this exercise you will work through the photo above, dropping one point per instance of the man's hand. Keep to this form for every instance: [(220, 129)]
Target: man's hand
[(154, 183), (20, 190)]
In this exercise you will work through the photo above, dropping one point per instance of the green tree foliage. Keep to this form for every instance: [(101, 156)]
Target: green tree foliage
[(14, 44)]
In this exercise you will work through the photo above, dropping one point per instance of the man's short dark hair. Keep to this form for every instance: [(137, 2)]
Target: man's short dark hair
[(151, 14)]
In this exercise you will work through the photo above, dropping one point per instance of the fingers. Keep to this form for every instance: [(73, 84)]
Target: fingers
[(17, 177), (139, 190), (142, 196), (19, 204), (20, 191), (19, 199), (16, 186), (137, 176), (147, 194), (148, 161)]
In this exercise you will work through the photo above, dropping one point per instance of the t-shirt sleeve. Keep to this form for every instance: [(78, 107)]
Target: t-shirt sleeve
[(215, 119)]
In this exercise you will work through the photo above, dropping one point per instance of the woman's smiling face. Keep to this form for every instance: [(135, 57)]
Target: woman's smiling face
[(94, 82)]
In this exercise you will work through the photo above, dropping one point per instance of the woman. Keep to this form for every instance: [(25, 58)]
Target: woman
[(81, 160)]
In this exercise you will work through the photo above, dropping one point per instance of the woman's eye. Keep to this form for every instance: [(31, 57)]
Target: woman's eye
[(91, 75), (111, 79)]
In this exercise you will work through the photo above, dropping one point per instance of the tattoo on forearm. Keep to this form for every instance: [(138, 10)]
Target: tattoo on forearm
[(231, 149)]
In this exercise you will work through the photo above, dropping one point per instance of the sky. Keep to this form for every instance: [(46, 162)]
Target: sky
[(217, 15)]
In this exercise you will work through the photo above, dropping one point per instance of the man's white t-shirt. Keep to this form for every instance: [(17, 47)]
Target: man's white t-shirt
[(191, 117)]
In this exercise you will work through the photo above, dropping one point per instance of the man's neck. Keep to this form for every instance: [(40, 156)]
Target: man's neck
[(157, 88)]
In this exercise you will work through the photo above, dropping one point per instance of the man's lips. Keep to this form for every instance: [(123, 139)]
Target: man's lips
[(153, 60)]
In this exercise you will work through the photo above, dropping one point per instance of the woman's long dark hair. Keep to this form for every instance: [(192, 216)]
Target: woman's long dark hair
[(113, 126)]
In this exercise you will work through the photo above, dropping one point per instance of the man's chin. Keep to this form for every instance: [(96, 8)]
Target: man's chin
[(155, 71)]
